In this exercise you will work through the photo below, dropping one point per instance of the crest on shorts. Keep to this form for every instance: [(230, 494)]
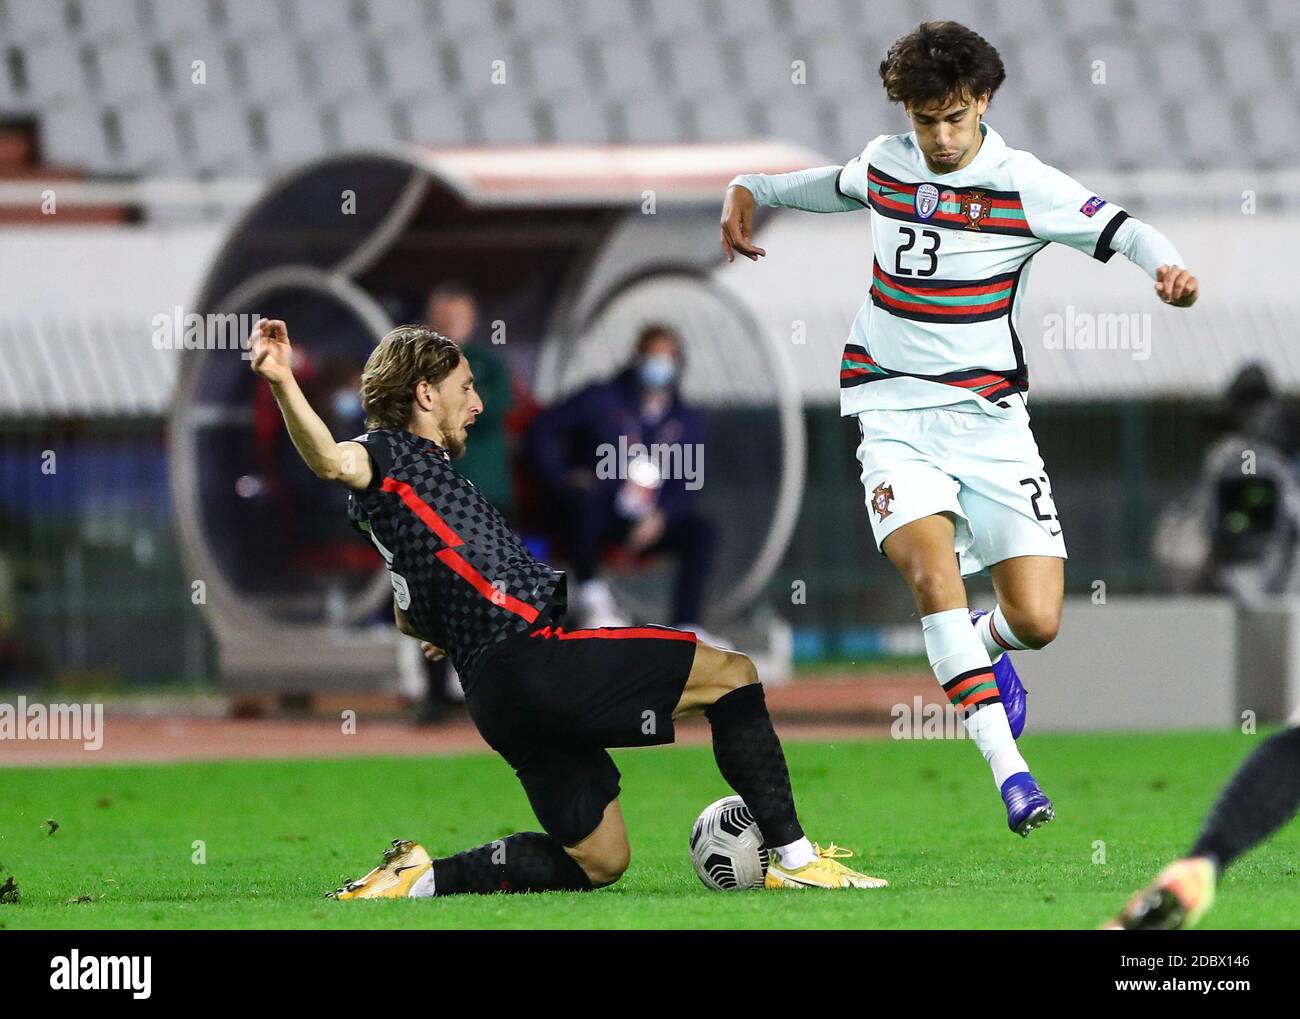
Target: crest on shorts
[(975, 207), (881, 496)]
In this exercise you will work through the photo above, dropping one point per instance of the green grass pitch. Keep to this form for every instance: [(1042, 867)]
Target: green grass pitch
[(924, 814)]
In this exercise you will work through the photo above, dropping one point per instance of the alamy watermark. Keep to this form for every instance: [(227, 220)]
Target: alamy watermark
[(179, 329), (649, 465), (77, 972), (24, 721), (1091, 331), (922, 720)]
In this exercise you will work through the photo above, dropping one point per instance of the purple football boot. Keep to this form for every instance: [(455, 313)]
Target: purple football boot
[(1010, 689), (1027, 806)]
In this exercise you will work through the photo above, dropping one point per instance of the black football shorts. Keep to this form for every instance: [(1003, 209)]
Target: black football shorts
[(551, 701)]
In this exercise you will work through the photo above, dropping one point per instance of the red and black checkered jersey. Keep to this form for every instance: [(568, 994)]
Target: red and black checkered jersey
[(461, 576)]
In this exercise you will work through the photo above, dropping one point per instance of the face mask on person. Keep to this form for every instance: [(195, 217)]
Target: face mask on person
[(658, 371)]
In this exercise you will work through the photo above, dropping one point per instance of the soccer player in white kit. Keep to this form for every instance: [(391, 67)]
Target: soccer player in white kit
[(935, 373)]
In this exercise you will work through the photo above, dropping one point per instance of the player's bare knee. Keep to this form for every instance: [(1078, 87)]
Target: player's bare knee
[(739, 671), (933, 588), (1036, 629), (605, 868)]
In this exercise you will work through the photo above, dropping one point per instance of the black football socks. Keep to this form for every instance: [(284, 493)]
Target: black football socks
[(1261, 796), (750, 757), (526, 862)]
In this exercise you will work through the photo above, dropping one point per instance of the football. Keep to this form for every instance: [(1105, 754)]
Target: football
[(727, 848)]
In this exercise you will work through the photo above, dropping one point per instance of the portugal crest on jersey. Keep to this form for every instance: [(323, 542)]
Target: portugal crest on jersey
[(927, 200), (975, 207), (881, 496)]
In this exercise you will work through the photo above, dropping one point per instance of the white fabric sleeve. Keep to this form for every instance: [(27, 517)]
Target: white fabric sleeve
[(1145, 246), (815, 190), (1058, 208)]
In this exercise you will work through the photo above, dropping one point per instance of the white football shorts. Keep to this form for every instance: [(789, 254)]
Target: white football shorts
[(982, 467)]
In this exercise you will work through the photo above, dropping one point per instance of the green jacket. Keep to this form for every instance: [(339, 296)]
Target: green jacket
[(487, 453)]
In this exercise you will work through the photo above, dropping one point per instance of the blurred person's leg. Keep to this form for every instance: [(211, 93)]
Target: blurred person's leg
[(437, 701), (1262, 795), (693, 540), (586, 523)]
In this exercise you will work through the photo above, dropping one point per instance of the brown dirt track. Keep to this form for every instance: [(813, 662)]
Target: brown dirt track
[(825, 708)]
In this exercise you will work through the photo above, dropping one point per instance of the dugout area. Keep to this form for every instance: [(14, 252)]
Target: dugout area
[(569, 248)]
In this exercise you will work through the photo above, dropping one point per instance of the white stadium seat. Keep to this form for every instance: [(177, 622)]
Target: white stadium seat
[(506, 120), (629, 69), (73, 136), (126, 70), (437, 119), (722, 117), (365, 124), (652, 119), (560, 67), (293, 134), (412, 65), (579, 120), (341, 67), (223, 142), (172, 20), (270, 70), (699, 68), (54, 72), (398, 18)]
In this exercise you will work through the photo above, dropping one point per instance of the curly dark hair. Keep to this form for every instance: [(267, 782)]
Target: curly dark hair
[(939, 62), (403, 357)]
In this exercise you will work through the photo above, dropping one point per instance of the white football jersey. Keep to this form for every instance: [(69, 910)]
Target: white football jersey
[(951, 261)]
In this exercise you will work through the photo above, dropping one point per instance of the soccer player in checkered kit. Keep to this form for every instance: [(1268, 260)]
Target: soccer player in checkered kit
[(548, 699), (935, 373)]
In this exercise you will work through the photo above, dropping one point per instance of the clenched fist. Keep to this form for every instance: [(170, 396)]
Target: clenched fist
[(271, 350), (1176, 286)]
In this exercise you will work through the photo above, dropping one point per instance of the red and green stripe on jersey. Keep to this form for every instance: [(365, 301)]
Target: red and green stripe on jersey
[(972, 690), (858, 368), (975, 208), (931, 300)]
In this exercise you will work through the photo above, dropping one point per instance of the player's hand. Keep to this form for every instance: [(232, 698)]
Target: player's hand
[(271, 350), (738, 224), (1176, 286), (432, 652)]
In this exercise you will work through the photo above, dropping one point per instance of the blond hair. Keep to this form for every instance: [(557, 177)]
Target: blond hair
[(404, 357)]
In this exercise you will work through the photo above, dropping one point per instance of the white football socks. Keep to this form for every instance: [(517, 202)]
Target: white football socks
[(995, 623), (955, 650), (796, 854)]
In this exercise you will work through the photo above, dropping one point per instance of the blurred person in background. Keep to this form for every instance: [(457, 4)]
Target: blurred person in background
[(642, 510), (1238, 533), (452, 310), (1251, 408)]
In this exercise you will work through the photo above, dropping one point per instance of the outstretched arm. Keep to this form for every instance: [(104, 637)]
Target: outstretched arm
[(1058, 208), (345, 462), (1146, 247), (815, 190)]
